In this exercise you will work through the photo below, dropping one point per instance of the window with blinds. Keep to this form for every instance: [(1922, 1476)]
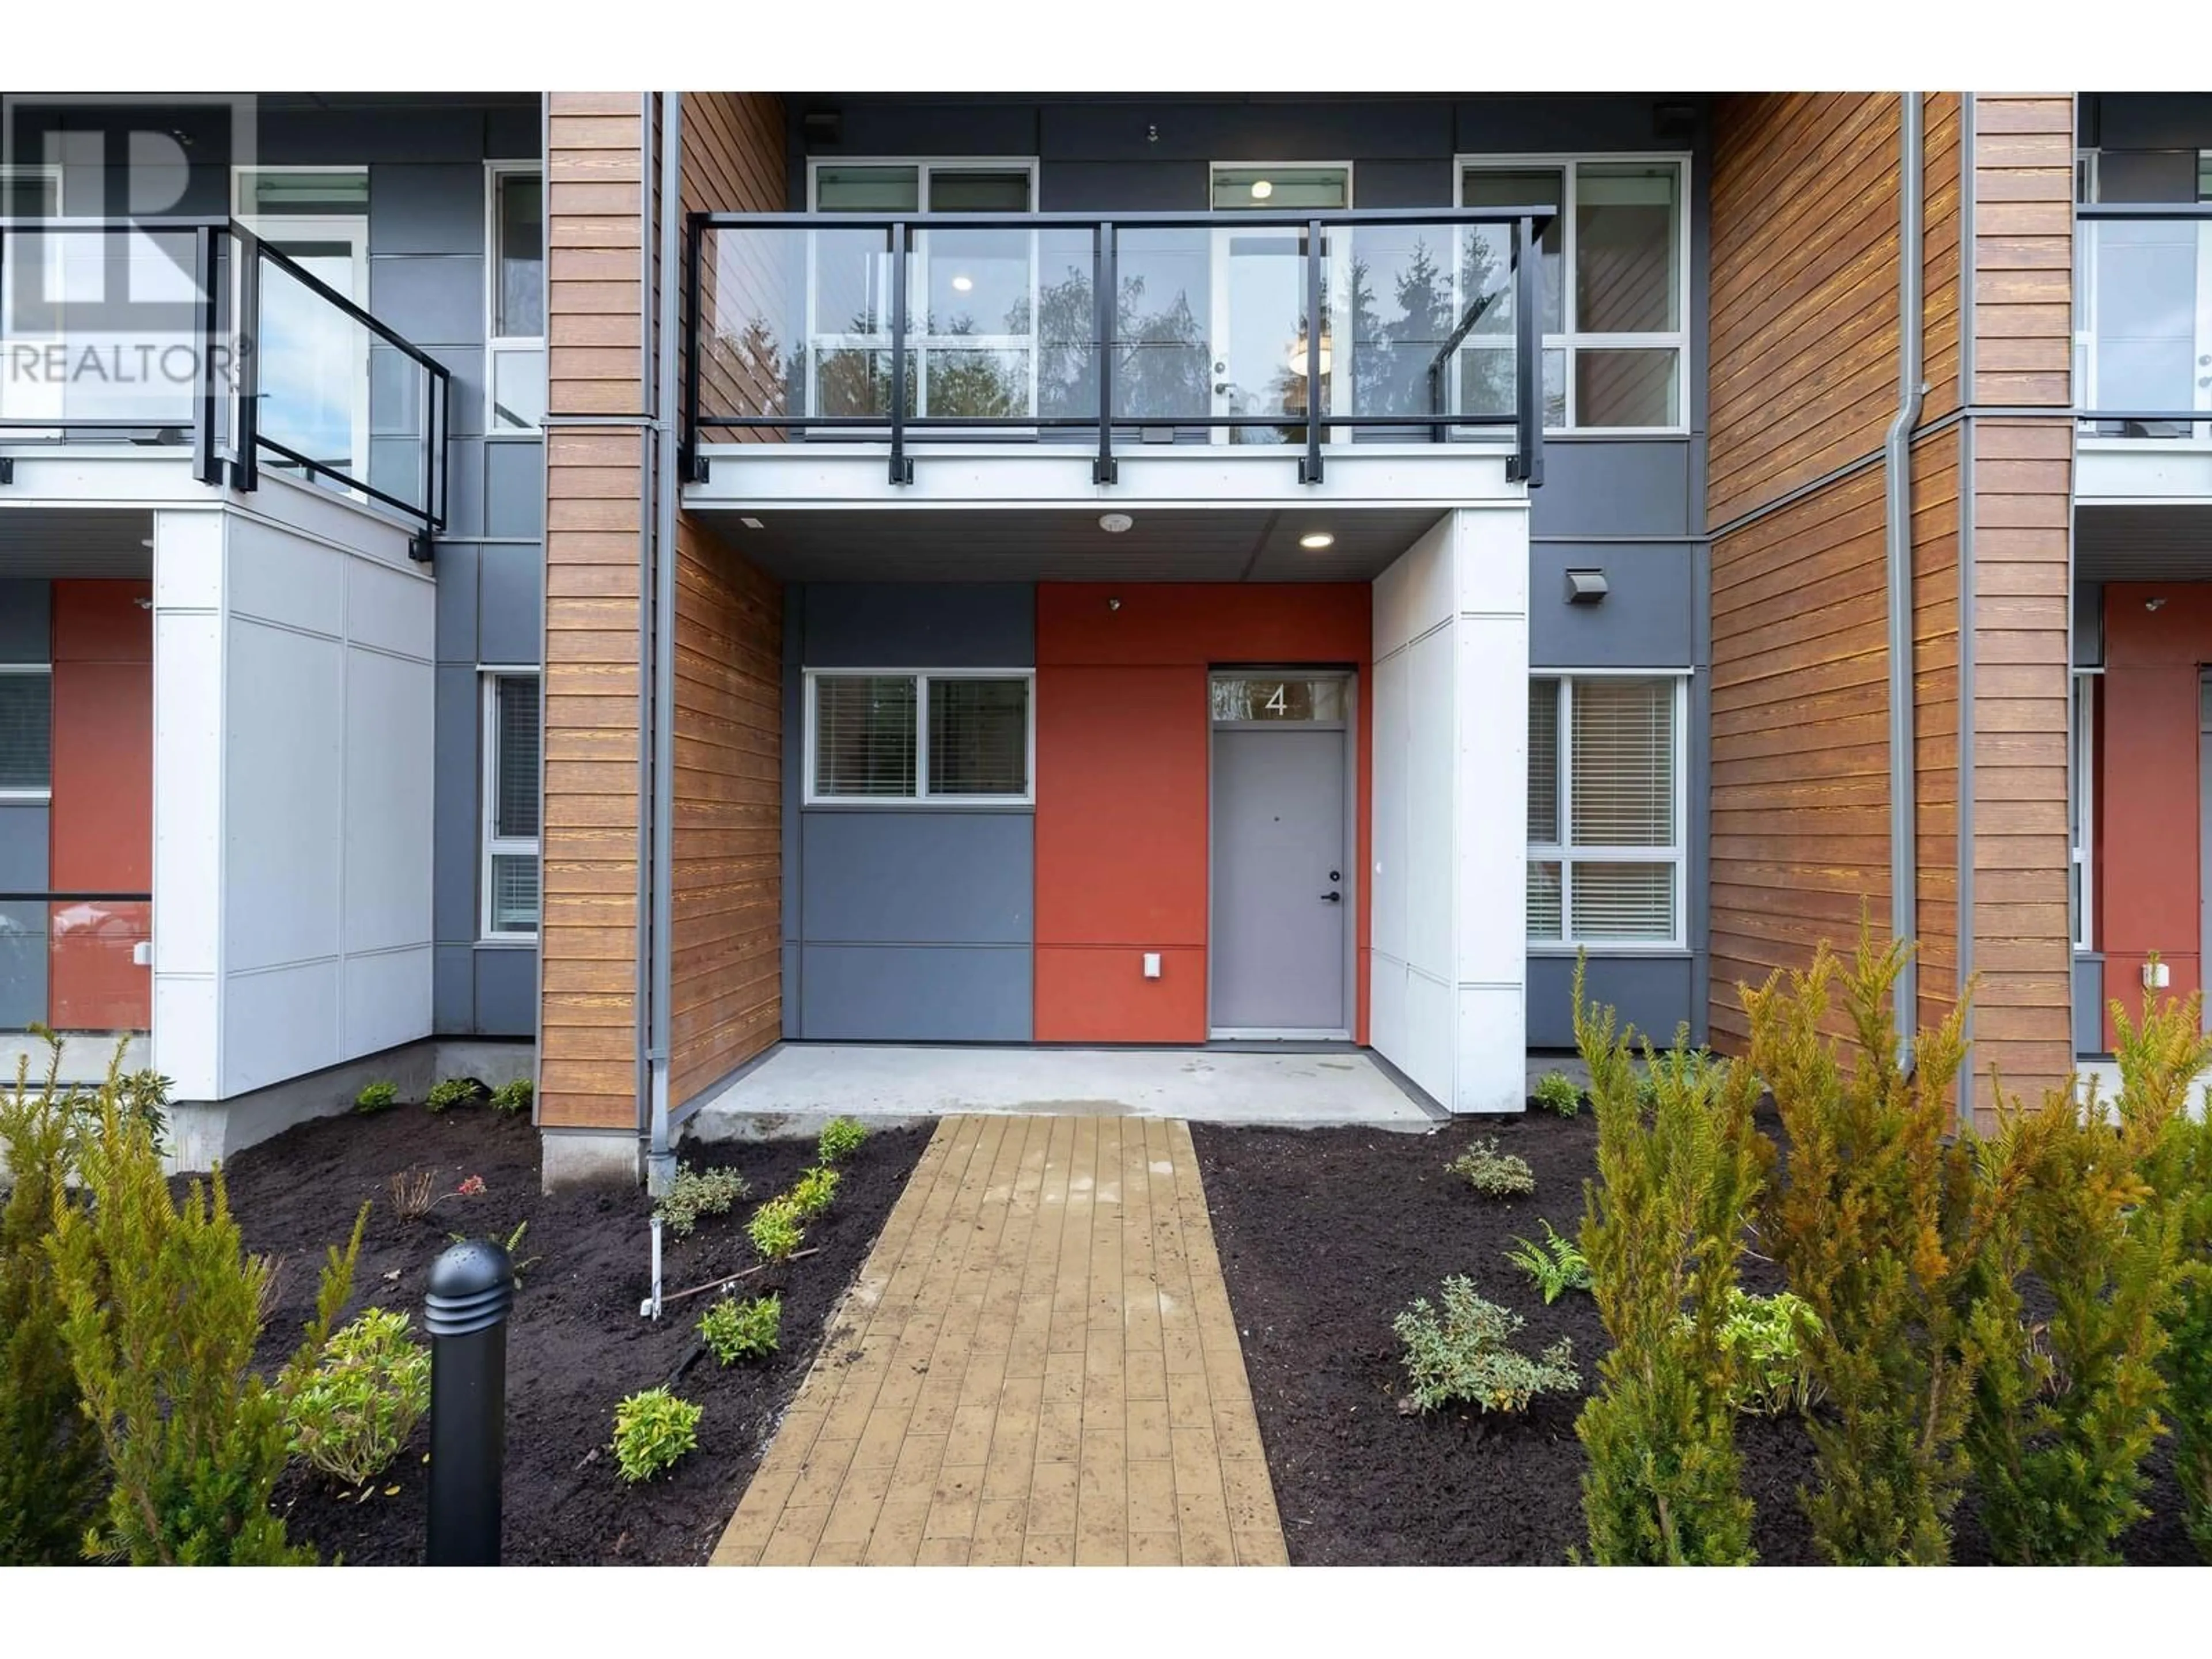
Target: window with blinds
[(27, 731), (512, 745), (915, 737), (1605, 814)]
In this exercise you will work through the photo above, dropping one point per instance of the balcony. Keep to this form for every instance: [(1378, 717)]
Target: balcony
[(1308, 336), (194, 336), (2142, 350)]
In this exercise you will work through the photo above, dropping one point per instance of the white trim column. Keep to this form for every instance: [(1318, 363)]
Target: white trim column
[(1449, 838)]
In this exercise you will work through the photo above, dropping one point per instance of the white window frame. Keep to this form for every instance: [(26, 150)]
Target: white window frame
[(2081, 839), (1570, 340), (918, 346), (498, 345), (489, 676), (34, 796), (921, 797), (1565, 854)]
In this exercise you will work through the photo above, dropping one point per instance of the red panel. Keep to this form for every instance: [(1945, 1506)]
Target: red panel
[(103, 814), (1123, 787), (2146, 857)]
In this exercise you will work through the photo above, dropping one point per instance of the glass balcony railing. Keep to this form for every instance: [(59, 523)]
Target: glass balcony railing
[(1240, 328), (2142, 319), (196, 332), (78, 963)]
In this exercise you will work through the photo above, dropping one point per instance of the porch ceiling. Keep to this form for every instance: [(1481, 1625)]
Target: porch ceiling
[(1024, 544), (2141, 544), (49, 542)]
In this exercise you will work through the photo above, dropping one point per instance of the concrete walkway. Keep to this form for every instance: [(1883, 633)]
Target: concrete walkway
[(800, 1082), (1037, 1364)]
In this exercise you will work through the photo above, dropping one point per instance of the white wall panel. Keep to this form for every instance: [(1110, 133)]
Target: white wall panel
[(283, 812), (283, 578), (187, 797), (279, 1023), (386, 999), (388, 788)]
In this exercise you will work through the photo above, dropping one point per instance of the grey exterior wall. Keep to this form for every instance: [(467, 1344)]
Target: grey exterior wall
[(910, 923), (426, 281), (1634, 508), (26, 636)]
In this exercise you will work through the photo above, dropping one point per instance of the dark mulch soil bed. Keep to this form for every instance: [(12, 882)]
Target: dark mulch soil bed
[(576, 1344), (1325, 1235)]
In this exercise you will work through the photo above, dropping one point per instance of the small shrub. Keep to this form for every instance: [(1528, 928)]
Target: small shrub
[(811, 1193), (1466, 1354), (1767, 1360), (1556, 1265), (376, 1097), (2179, 1172), (1499, 1175), (651, 1431), (775, 1229), (516, 1097), (695, 1192), (1556, 1092), (144, 1097), (841, 1139), (51, 1475), (452, 1091), (1664, 1225), (164, 1313), (353, 1415), (413, 1193), (734, 1330)]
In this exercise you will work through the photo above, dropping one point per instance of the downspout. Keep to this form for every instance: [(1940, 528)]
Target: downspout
[(1897, 472), (641, 999), (660, 1157)]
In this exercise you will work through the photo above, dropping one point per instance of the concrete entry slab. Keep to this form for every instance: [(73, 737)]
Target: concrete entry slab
[(801, 1082)]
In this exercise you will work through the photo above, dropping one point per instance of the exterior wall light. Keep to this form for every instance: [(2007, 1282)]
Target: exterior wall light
[(1114, 523), (1316, 539)]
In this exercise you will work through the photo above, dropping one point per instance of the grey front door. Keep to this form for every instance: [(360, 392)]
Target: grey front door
[(1281, 880)]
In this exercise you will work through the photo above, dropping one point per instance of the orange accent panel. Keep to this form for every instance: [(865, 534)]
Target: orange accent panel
[(103, 811), (1123, 787), (1100, 994), (2146, 858)]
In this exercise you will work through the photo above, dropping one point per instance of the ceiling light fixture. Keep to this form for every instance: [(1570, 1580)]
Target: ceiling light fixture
[(962, 284), (1316, 539), (750, 523), (1114, 523), (1261, 190)]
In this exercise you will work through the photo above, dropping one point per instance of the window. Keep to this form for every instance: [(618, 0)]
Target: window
[(2081, 803), (26, 732), (1282, 187), (962, 737), (514, 332), (1605, 810), (1615, 328), (510, 803)]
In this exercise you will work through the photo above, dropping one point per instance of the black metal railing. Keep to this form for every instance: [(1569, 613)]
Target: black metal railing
[(908, 329), (181, 331), (2143, 319)]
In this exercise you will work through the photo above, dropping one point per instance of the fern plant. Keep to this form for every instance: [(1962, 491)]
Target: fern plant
[(1556, 1265), (1663, 1227), (50, 1470), (164, 1308), (1465, 1354), (1876, 1219), (653, 1430)]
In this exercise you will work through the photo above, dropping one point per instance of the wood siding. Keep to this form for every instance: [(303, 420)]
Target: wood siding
[(733, 163), (727, 983), (1936, 524), (2024, 248), (595, 497)]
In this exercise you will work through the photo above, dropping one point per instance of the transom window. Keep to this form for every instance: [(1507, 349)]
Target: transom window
[(960, 735), (1606, 836), (1615, 274), (511, 750)]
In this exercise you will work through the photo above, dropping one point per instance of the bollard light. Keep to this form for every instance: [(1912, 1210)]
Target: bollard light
[(471, 1291)]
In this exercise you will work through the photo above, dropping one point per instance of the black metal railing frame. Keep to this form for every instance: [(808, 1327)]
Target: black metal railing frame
[(219, 247), (1528, 224), (2106, 212)]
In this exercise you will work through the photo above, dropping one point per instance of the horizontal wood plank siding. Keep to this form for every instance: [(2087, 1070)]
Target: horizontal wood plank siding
[(2024, 248), (595, 491), (1935, 715), (733, 163), (1943, 190)]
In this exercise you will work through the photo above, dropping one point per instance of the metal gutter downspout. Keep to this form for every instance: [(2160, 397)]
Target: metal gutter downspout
[(1897, 472), (661, 1156)]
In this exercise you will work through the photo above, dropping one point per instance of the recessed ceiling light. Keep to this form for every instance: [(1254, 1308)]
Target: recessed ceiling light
[(1316, 539), (750, 524), (1261, 190), (962, 284), (1114, 523)]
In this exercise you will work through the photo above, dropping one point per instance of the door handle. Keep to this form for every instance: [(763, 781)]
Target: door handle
[(1333, 898)]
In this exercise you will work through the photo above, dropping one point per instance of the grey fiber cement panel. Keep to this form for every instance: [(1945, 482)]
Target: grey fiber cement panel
[(916, 993)]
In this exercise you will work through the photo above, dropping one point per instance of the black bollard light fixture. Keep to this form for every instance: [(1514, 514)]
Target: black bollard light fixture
[(471, 1291)]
